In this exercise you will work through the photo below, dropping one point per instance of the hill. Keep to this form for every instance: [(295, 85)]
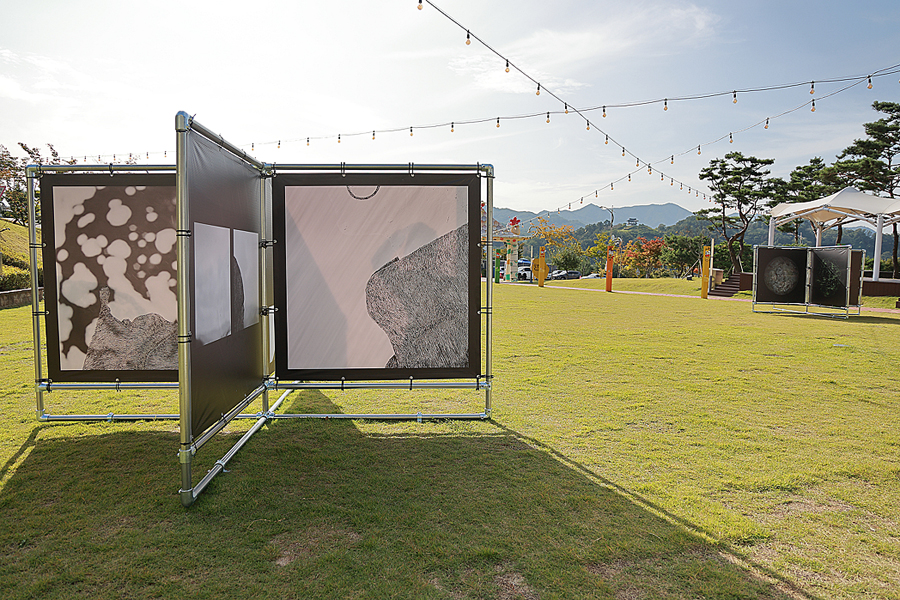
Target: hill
[(647, 214)]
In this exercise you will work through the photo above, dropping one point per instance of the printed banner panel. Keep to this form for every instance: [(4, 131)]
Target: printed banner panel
[(830, 276), (780, 275), (227, 357), (110, 277), (377, 276)]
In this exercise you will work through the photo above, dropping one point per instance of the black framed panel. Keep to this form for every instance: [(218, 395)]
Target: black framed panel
[(109, 277), (780, 275), (830, 276), (377, 276), (857, 257)]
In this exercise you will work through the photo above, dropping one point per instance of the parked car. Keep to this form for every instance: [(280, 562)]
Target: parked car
[(557, 274), (571, 275), (592, 276), (524, 274)]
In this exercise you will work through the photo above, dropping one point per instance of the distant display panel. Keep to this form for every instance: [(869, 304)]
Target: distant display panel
[(780, 275), (377, 276), (110, 276)]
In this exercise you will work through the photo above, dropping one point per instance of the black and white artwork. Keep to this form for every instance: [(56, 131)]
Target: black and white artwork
[(111, 270), (780, 275), (212, 281), (378, 277), (246, 257)]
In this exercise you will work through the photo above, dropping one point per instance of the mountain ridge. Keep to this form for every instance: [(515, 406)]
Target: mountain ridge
[(652, 215)]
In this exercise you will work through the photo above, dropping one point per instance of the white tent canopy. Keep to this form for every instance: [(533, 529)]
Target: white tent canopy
[(846, 206)]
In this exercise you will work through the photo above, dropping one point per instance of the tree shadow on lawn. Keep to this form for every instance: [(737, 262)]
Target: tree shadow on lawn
[(318, 508)]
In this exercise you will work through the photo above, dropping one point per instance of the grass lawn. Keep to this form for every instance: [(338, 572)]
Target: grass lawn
[(640, 447)]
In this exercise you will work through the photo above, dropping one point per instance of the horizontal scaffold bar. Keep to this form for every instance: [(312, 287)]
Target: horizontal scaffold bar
[(380, 385), (379, 417), (49, 386), (98, 168)]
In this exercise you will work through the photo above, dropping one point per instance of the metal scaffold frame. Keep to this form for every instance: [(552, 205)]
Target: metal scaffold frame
[(189, 444)]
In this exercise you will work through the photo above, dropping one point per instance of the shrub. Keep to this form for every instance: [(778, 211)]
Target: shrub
[(14, 278)]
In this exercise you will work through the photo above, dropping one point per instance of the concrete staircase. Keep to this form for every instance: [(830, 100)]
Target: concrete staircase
[(729, 287)]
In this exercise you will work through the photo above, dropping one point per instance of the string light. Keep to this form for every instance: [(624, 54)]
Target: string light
[(734, 95), (662, 177), (637, 163), (610, 187), (538, 92), (252, 146), (588, 125), (767, 123), (623, 150), (468, 38), (307, 141), (666, 104), (410, 132), (339, 138), (507, 66), (671, 181), (607, 139), (730, 139), (567, 107), (604, 112), (373, 134), (870, 82), (498, 121), (451, 126), (548, 117), (629, 177), (672, 160), (420, 4), (812, 87), (813, 109), (279, 144), (698, 149)]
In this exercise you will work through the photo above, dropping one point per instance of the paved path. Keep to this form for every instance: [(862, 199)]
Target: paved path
[(566, 287)]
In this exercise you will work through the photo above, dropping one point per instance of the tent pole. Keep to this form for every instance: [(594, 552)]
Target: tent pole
[(771, 230), (879, 234), (818, 235), (35, 293), (489, 172)]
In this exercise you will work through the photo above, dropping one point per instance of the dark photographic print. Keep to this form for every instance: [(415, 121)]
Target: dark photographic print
[(111, 272)]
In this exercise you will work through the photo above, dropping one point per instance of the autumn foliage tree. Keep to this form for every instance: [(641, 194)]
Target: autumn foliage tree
[(643, 256)]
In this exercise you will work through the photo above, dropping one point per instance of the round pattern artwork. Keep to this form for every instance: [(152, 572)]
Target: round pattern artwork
[(781, 276)]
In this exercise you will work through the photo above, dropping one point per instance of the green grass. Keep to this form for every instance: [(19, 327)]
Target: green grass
[(14, 242), (641, 447)]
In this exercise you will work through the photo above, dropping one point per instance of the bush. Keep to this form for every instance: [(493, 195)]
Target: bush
[(14, 278)]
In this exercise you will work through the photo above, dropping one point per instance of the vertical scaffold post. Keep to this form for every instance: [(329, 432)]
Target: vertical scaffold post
[(489, 296), (263, 294), (35, 293), (182, 210)]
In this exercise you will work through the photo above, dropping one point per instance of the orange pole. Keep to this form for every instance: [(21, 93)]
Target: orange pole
[(610, 256), (704, 279)]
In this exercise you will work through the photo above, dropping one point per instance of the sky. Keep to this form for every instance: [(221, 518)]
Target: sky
[(97, 78)]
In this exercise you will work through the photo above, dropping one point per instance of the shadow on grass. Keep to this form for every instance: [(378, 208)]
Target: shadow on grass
[(319, 509)]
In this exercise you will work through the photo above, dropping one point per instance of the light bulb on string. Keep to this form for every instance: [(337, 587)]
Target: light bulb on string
[(730, 139), (507, 66), (339, 138), (734, 97), (666, 104), (548, 117), (420, 4), (373, 134), (451, 127), (672, 160), (680, 186), (604, 112), (582, 200), (148, 156), (279, 144), (623, 150), (813, 109), (307, 141), (698, 149), (596, 193), (468, 38), (671, 181), (649, 170), (570, 206), (611, 187), (567, 107), (538, 92), (607, 139), (870, 82), (410, 132), (588, 125), (629, 177), (637, 163), (812, 87), (662, 177), (165, 153), (767, 123), (252, 147), (498, 121)]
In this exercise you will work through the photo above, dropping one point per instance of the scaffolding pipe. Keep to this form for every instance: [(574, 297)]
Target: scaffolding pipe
[(343, 167), (220, 464), (49, 386), (182, 248), (391, 385), (35, 294), (489, 290), (386, 417)]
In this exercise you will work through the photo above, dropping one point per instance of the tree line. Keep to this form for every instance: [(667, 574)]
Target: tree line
[(742, 192)]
